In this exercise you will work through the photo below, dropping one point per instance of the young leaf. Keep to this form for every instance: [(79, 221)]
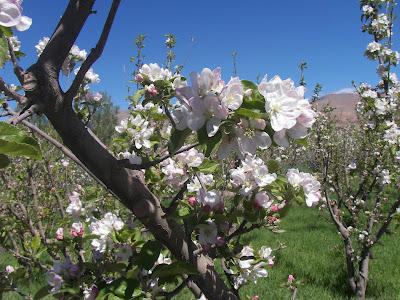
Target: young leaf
[(209, 143), (149, 254), (177, 140), (208, 166), (15, 142)]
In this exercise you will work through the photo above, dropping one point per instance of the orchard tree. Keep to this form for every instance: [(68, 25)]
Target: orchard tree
[(360, 166), (184, 163)]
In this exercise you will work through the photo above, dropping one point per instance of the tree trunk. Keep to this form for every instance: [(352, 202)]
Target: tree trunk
[(362, 279)]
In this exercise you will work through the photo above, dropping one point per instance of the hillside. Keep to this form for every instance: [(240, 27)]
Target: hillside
[(344, 104)]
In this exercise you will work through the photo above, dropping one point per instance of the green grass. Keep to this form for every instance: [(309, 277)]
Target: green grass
[(314, 255)]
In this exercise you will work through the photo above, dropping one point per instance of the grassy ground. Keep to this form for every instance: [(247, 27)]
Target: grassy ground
[(314, 255)]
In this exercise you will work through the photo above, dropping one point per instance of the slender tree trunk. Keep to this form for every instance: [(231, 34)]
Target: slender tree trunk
[(362, 278)]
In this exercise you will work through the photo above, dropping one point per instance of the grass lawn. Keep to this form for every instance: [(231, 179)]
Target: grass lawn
[(314, 255)]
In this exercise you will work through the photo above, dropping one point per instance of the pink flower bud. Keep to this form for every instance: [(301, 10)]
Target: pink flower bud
[(77, 229), (139, 78), (152, 90), (290, 278), (272, 219), (255, 297), (274, 208), (192, 201), (271, 262), (60, 234)]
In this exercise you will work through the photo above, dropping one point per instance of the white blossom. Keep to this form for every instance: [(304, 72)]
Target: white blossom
[(11, 15), (154, 72), (281, 97), (191, 157), (75, 207), (262, 200), (309, 184)]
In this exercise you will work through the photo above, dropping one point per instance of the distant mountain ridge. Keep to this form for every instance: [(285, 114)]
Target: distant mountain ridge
[(344, 104)]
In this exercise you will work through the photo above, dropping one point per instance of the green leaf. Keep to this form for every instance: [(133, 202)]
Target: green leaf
[(117, 289), (4, 161), (177, 140), (6, 31), (183, 211), (302, 142), (35, 244), (210, 143), (255, 100), (209, 166), (136, 97), (133, 289), (169, 272), (149, 254), (250, 113), (41, 293), (247, 84), (15, 142)]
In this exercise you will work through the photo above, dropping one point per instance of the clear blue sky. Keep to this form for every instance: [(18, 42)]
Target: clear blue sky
[(270, 37)]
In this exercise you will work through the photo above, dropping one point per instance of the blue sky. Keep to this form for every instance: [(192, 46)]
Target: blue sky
[(270, 37)]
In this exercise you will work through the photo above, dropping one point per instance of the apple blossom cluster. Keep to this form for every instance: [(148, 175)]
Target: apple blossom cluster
[(101, 238), (208, 101), (138, 129), (377, 23), (201, 187), (149, 75), (250, 267), (290, 114), (223, 111), (102, 229), (251, 175), (176, 170), (310, 185), (12, 15)]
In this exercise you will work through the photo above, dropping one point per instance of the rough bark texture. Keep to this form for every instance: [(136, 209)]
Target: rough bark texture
[(41, 84)]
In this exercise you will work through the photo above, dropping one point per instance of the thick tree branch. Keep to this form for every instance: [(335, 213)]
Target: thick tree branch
[(95, 53), (65, 35)]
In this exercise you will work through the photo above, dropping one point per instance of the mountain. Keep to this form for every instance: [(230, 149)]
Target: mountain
[(344, 104)]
